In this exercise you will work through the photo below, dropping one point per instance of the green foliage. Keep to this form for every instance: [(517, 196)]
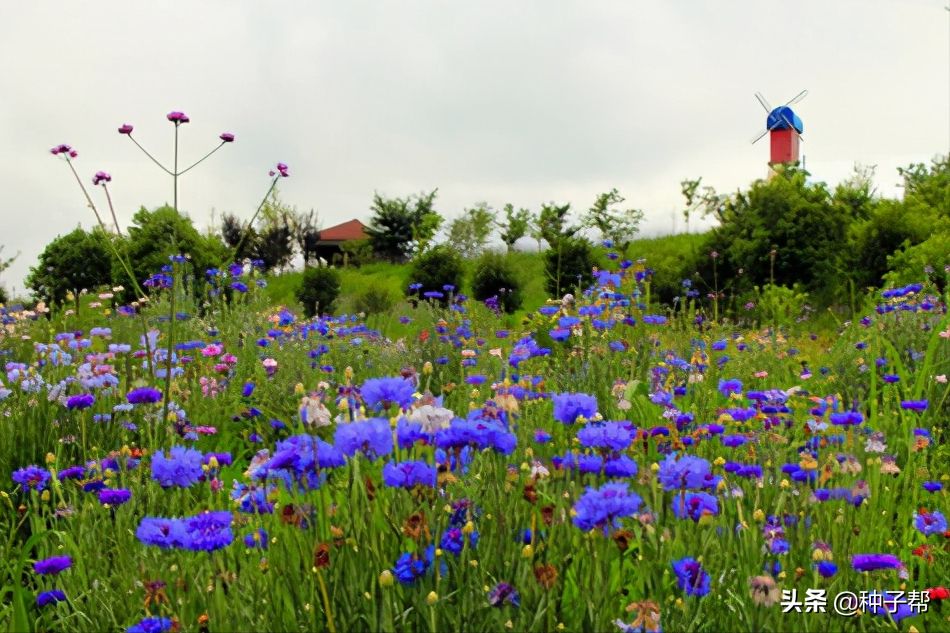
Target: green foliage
[(357, 252), (516, 225), (618, 225), (672, 258), (438, 267), (155, 235), (495, 275), (470, 232), (929, 184), (4, 264), (552, 224), (778, 305), (568, 266), (912, 264), (400, 227), (319, 289), (69, 264), (377, 299)]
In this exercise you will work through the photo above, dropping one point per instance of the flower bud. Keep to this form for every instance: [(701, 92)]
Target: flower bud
[(432, 598), (386, 578)]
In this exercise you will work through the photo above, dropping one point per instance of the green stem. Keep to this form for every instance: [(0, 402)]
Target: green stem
[(171, 346), (250, 224)]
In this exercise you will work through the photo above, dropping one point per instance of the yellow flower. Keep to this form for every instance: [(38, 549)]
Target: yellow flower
[(298, 389), (386, 578), (719, 461), (469, 528), (348, 373), (528, 551), (432, 598), (427, 368), (758, 515), (50, 458)]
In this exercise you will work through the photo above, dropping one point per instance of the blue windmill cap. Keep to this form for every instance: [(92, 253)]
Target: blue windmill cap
[(781, 117)]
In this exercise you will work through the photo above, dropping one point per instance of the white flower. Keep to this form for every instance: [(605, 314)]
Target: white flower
[(314, 413), (432, 418)]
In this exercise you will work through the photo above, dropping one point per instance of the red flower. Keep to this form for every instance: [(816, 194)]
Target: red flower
[(938, 593)]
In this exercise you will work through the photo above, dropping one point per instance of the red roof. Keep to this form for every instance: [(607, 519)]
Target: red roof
[(352, 230)]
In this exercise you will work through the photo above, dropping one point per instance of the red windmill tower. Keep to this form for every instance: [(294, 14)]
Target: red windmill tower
[(784, 128)]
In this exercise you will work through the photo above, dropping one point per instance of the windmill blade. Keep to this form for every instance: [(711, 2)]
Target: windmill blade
[(763, 102), (785, 118), (760, 135), (801, 95)]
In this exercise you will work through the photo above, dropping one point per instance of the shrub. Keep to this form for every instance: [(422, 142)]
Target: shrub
[(377, 299), (495, 275), (436, 268), (567, 264), (319, 290)]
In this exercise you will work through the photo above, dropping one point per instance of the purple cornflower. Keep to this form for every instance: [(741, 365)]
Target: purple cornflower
[(691, 577), (144, 395), (891, 604), (871, 562), (570, 406), (928, 523), (53, 565), (383, 393), (599, 507), (502, 593), (409, 474), (50, 597), (181, 468), (914, 405), (695, 505), (32, 477), (932, 486), (80, 401), (114, 497), (733, 385)]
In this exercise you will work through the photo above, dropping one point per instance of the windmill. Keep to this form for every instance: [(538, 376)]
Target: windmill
[(784, 128)]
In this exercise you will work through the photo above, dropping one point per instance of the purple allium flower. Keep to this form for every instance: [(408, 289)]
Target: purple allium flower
[(125, 129), (53, 565), (871, 562), (50, 597), (408, 474), (178, 117), (599, 507), (570, 406), (152, 625), (694, 505), (114, 497), (101, 177), (502, 593), (181, 468), (227, 137), (32, 477), (144, 395), (80, 401), (383, 393), (928, 523), (691, 577)]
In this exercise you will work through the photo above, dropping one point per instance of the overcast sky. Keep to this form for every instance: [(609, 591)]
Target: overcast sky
[(521, 102)]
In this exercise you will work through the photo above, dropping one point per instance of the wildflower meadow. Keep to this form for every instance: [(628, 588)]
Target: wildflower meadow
[(215, 462)]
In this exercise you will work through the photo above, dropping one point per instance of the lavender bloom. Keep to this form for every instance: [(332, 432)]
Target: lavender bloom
[(408, 474), (80, 401), (599, 507), (144, 395), (53, 565), (382, 393), (32, 477), (182, 467), (570, 406)]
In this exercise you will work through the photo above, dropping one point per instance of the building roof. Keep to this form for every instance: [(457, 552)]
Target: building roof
[(352, 230)]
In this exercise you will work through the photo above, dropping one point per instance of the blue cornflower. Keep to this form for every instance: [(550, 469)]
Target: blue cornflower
[(410, 566), (687, 473), (613, 436), (80, 401), (208, 531), (871, 562), (256, 539), (33, 477), (569, 406), (50, 597), (152, 625), (409, 474), (181, 468), (599, 507), (382, 393), (733, 385), (114, 497), (691, 577), (503, 593), (161, 532), (928, 523), (374, 438), (144, 395), (826, 569), (52, 566), (695, 505)]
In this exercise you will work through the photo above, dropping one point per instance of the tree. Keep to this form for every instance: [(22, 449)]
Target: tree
[(319, 290), (71, 263), (232, 230), (552, 223), (469, 233), (4, 264), (436, 268), (495, 275), (274, 245), (619, 226), (401, 227), (568, 265), (306, 230), (155, 235), (516, 225)]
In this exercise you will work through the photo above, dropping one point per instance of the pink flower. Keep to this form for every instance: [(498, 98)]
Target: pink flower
[(761, 374), (227, 137), (101, 177), (212, 350), (942, 379), (714, 254), (125, 129), (61, 149), (178, 117)]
